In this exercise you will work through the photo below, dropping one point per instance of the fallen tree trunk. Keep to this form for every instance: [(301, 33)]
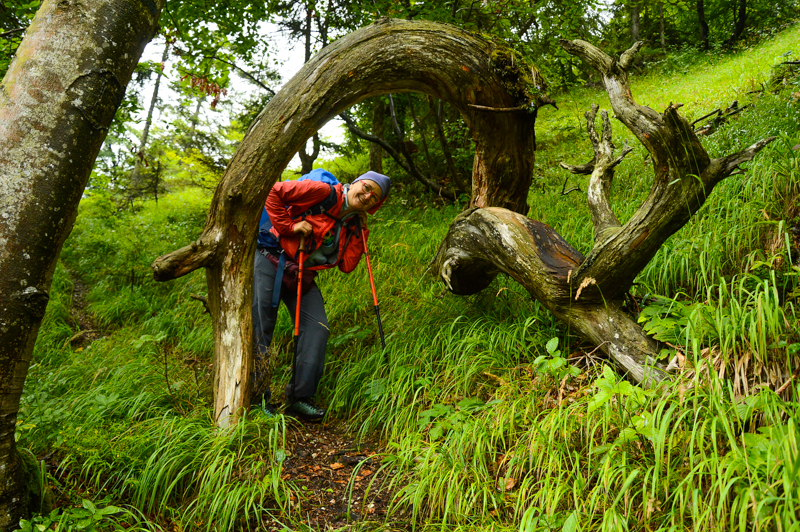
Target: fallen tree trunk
[(587, 292), (482, 243)]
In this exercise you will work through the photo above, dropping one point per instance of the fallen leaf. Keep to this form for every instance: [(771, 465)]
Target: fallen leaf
[(365, 472), (506, 484), (336, 466)]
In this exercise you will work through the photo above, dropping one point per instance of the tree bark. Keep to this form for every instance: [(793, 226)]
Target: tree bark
[(54, 116), (482, 243), (661, 26), (701, 17), (388, 56), (587, 292)]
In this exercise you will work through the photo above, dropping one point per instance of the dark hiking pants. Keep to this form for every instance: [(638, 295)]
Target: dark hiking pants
[(313, 338)]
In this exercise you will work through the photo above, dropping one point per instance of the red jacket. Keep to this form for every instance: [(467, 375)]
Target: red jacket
[(286, 203)]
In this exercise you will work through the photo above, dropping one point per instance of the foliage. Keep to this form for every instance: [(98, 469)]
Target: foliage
[(14, 18), (88, 518)]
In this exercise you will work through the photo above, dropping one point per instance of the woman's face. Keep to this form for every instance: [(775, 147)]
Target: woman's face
[(363, 195)]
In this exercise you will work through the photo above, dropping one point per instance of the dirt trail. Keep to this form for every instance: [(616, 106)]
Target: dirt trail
[(321, 465)]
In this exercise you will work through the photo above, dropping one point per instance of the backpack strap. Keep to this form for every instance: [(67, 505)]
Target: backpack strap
[(322, 207), (268, 241)]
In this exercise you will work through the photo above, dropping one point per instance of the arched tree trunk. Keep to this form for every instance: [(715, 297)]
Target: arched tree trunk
[(587, 292), (54, 116), (389, 56)]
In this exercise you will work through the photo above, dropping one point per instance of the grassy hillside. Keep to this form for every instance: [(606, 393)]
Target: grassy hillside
[(490, 415)]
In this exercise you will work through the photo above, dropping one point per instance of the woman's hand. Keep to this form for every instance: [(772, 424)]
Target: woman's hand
[(303, 228), (362, 219)]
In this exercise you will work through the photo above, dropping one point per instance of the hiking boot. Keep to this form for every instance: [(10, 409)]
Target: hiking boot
[(264, 406), (267, 409), (306, 410)]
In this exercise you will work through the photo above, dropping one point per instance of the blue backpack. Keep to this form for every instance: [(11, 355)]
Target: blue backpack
[(267, 240)]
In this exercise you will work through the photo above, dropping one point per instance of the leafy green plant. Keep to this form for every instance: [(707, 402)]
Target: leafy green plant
[(553, 364), (87, 518)]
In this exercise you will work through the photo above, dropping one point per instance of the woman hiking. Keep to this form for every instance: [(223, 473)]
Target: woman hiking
[(327, 218)]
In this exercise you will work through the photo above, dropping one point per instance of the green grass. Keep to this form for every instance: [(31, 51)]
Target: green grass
[(492, 416)]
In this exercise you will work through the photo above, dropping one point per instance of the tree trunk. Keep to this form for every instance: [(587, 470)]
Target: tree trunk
[(136, 176), (661, 26), (740, 20), (635, 23), (484, 242), (701, 17), (193, 121), (375, 150), (307, 159), (54, 116), (388, 56)]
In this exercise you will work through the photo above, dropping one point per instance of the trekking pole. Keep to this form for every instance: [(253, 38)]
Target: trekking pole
[(374, 294), (297, 309)]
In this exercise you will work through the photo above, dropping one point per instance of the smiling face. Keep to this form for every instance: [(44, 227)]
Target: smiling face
[(363, 195)]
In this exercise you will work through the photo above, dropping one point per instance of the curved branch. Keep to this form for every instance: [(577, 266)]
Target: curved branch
[(412, 171), (684, 177)]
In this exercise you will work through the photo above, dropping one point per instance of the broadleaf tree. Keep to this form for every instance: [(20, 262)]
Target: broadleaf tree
[(54, 116)]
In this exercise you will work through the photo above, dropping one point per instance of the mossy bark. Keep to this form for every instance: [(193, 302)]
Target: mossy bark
[(54, 116), (388, 56)]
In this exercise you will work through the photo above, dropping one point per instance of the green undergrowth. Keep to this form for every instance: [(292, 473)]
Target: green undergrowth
[(491, 414)]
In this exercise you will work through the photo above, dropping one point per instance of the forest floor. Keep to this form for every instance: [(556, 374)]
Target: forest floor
[(337, 478)]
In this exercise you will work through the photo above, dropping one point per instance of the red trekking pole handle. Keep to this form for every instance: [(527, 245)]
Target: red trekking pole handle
[(374, 292)]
